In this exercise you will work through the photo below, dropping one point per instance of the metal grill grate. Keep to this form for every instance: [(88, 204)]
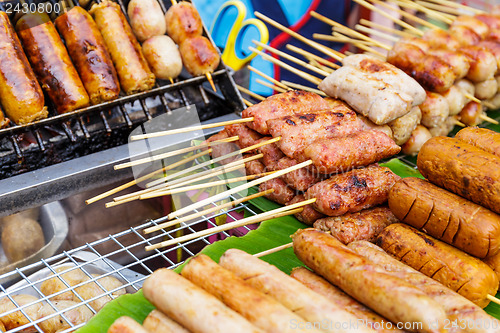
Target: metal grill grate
[(134, 263)]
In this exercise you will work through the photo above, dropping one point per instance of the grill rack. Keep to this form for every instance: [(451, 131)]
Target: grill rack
[(132, 271)]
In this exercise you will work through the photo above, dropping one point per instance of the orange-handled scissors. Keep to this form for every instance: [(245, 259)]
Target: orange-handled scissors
[(235, 54)]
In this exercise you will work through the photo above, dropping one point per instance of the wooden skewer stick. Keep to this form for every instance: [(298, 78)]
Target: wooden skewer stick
[(250, 93), (472, 98), (315, 63), (305, 88), (272, 86), (339, 38), (211, 80), (212, 161), (237, 189), (351, 32), (310, 55), (444, 10), (430, 13), (459, 123), (291, 58), (390, 17), (189, 129), (280, 63), (173, 153), (200, 186), (267, 77), (384, 28), (377, 33), (407, 15), (493, 299), (488, 119), (458, 5), (483, 116), (489, 105), (247, 102), (275, 213), (355, 43), (206, 212), (326, 50), (273, 250)]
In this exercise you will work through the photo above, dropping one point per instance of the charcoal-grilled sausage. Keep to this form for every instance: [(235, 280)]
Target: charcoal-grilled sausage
[(470, 114), (446, 216), (199, 56), (163, 57), (483, 138), (483, 63), (126, 52), (183, 22), (418, 137), (300, 179), (282, 192), (466, 275), (146, 19), (20, 94), (463, 169), (486, 89), (89, 54), (402, 127), (434, 110), (309, 214), (51, 62)]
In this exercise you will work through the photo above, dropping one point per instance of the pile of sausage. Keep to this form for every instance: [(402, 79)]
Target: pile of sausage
[(86, 58)]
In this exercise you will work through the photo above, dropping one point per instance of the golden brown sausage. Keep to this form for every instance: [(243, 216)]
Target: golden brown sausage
[(146, 18), (466, 275), (51, 62), (3, 121), (483, 138), (463, 169), (494, 263), (183, 22), (126, 324), (309, 214), (470, 114), (446, 216), (20, 93), (126, 53), (158, 322), (89, 54), (199, 56)]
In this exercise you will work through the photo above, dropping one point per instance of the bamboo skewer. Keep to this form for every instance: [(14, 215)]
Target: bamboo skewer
[(205, 212), (458, 5), (275, 213), (488, 119), (250, 93), (384, 28), (353, 42), (274, 87), (339, 38), (483, 116), (449, 12), (173, 153), (189, 129), (312, 56), (407, 15), (326, 50), (377, 33), (315, 63), (273, 250), (305, 88), (267, 77), (247, 102), (211, 80), (430, 13)]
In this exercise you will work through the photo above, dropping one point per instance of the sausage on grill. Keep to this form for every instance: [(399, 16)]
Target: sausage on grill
[(309, 214), (403, 126), (418, 137), (199, 55), (183, 22), (163, 57), (146, 18), (89, 54), (300, 179), (282, 192), (20, 94), (51, 62), (434, 110), (126, 52)]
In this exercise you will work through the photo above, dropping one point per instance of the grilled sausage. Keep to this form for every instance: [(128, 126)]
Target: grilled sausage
[(199, 55), (163, 57), (18, 318), (258, 308), (458, 61), (470, 114), (292, 294), (474, 23), (334, 155), (405, 125), (441, 38), (282, 192), (337, 296), (464, 35), (463, 169), (126, 53), (494, 263), (280, 105), (302, 129), (300, 179), (183, 22), (444, 128), (126, 324), (146, 19), (418, 137), (483, 138), (89, 54), (51, 62), (486, 89), (389, 296), (434, 110), (352, 191), (254, 167), (446, 216), (483, 63), (457, 307), (156, 321), (20, 94), (168, 291), (272, 154), (309, 214), (466, 275), (388, 73), (373, 98), (246, 136), (455, 97), (363, 225), (466, 86), (367, 124)]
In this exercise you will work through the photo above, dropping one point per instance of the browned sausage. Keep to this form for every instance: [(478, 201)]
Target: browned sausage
[(463, 169), (282, 192), (363, 225), (483, 138), (466, 275), (446, 216), (3, 121), (300, 179), (183, 22), (126, 52), (494, 263), (391, 297), (88, 52), (51, 62), (199, 56), (309, 214), (126, 324), (20, 94), (470, 114)]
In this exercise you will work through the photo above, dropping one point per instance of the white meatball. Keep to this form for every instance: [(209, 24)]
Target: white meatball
[(418, 137), (466, 86), (435, 110), (486, 89), (146, 19), (163, 57)]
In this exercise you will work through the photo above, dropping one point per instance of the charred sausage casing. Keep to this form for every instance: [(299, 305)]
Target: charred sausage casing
[(483, 138), (483, 63), (462, 169), (281, 194), (309, 214), (363, 225), (391, 297), (300, 179), (126, 52), (51, 62), (89, 54), (20, 94), (466, 275), (446, 216), (183, 22), (353, 191), (199, 56)]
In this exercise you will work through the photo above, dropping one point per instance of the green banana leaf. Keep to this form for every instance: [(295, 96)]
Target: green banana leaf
[(270, 234)]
